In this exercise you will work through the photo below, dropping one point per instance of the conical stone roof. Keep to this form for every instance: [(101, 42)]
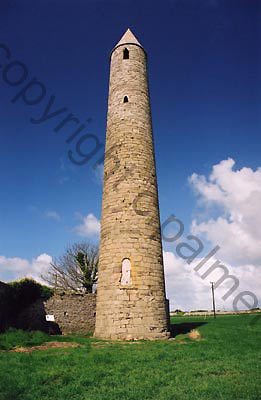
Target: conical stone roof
[(128, 37)]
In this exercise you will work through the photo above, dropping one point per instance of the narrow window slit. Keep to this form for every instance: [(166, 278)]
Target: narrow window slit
[(125, 54), (125, 100)]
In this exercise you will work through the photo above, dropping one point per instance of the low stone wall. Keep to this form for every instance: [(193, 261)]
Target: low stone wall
[(73, 313)]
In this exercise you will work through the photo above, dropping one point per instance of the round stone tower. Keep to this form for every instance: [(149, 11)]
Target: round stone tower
[(131, 301)]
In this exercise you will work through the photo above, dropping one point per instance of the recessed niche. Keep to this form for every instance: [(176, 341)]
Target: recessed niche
[(126, 272)]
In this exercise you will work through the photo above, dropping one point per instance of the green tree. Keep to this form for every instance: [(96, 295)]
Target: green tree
[(88, 264), (76, 269)]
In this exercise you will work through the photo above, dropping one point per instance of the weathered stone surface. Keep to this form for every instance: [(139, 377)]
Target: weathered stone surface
[(132, 307), (73, 313)]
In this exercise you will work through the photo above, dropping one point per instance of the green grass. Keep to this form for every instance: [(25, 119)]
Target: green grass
[(225, 365), (19, 338)]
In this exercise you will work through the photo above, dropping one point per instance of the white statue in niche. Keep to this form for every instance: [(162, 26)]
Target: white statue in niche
[(126, 272)]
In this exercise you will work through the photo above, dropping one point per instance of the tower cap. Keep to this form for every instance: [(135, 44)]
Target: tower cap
[(128, 38)]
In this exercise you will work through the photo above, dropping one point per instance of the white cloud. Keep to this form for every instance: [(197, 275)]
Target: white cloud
[(17, 268), (230, 218), (186, 290), (90, 226), (53, 215), (237, 228)]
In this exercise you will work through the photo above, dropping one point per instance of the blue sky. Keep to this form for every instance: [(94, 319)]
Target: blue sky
[(204, 74)]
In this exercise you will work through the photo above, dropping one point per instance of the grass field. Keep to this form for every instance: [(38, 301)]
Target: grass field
[(223, 364)]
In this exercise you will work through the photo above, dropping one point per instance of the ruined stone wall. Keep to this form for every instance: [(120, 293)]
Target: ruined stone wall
[(73, 313), (131, 299)]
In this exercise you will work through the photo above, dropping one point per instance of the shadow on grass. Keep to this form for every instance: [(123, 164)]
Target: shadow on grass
[(185, 327)]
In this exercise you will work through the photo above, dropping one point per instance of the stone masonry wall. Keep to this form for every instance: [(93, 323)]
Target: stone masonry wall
[(73, 313), (131, 300)]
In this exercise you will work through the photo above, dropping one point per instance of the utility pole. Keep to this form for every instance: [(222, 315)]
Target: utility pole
[(213, 298)]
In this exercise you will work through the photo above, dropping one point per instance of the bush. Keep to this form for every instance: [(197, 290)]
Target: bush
[(197, 311), (27, 291), (19, 295)]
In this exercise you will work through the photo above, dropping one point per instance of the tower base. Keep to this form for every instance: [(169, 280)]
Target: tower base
[(132, 336), (132, 322)]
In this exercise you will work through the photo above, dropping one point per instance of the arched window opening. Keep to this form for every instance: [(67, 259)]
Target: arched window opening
[(125, 100), (125, 54), (126, 272)]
